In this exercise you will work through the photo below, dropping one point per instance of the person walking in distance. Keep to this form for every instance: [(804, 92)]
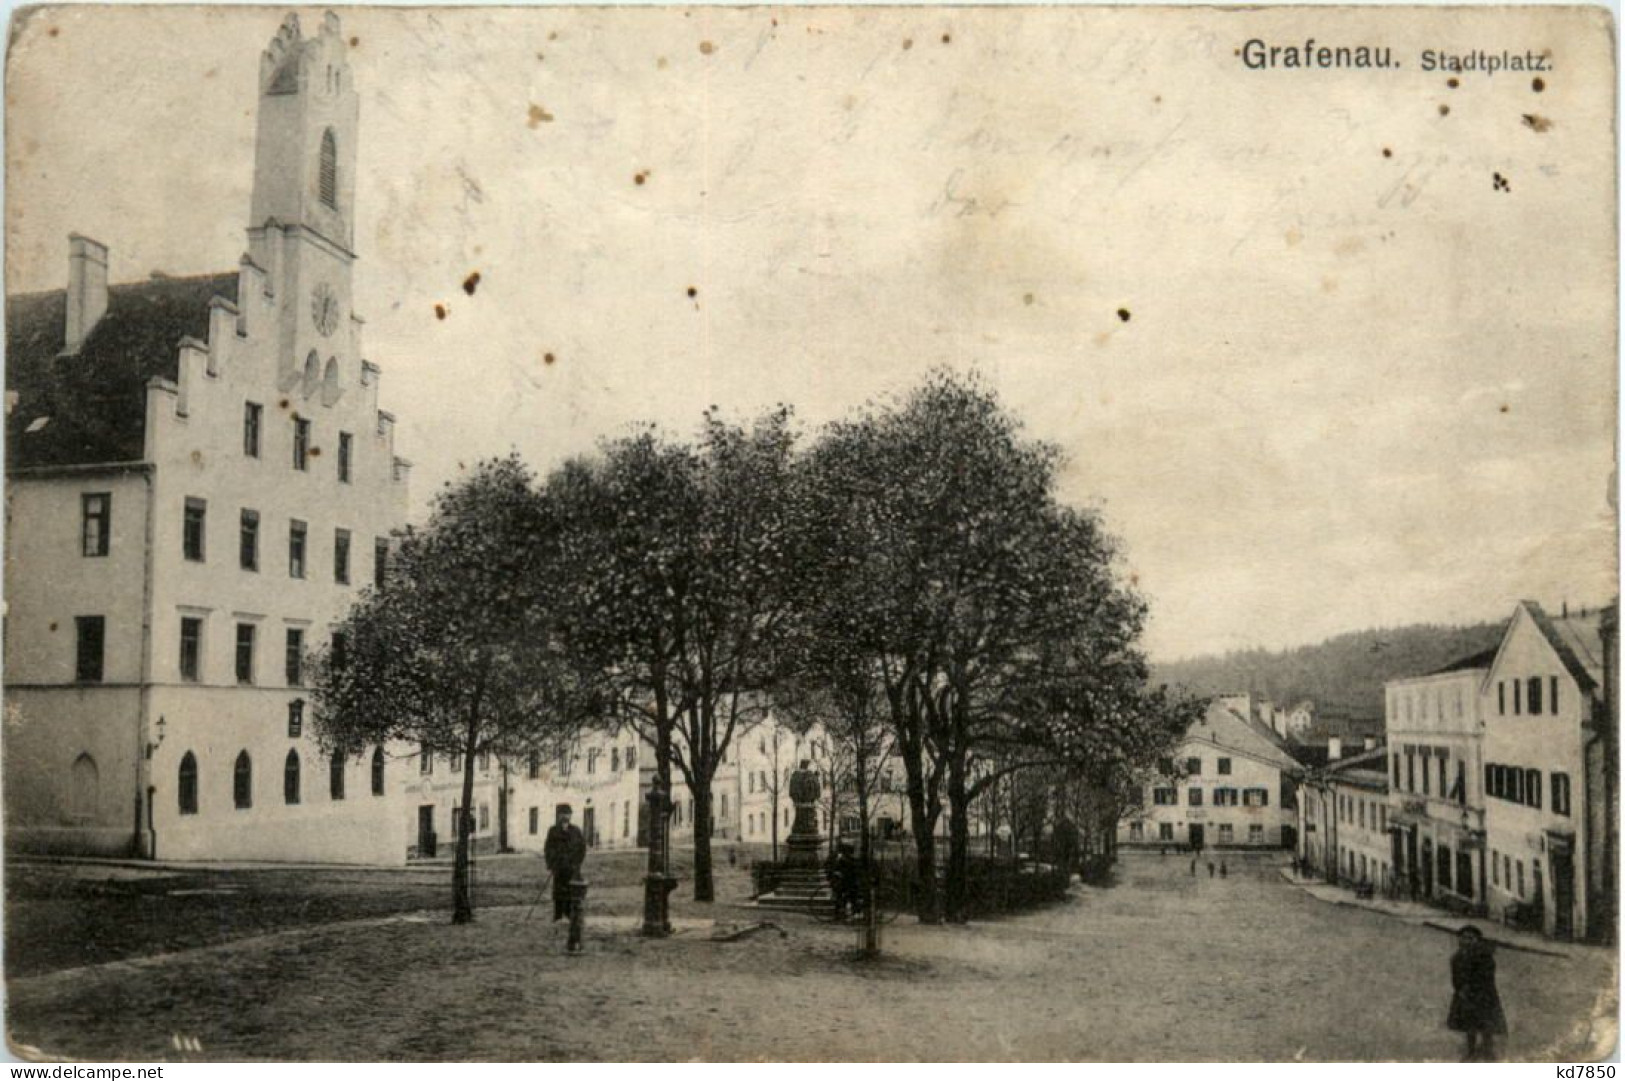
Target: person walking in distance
[(564, 852), (1475, 1005)]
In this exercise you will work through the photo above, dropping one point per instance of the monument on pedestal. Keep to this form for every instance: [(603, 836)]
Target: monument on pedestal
[(804, 840)]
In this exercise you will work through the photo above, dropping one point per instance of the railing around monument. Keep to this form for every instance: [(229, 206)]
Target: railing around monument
[(993, 886)]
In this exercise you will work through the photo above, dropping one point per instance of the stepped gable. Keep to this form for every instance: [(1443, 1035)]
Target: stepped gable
[(89, 407)]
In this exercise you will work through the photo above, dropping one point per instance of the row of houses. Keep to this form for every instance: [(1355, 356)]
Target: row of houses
[(1496, 789)]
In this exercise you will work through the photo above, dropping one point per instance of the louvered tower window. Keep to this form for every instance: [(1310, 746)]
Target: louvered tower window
[(329, 177)]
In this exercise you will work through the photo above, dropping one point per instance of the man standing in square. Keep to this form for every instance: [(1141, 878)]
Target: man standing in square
[(564, 852)]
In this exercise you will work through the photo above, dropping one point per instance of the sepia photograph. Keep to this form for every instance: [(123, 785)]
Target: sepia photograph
[(810, 534)]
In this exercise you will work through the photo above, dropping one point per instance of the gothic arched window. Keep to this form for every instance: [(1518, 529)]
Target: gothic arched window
[(377, 771), (328, 177), (290, 778), (242, 781), (85, 791), (186, 784)]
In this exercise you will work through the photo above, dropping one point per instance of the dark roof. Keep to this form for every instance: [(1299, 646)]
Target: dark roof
[(1312, 755), (1477, 660), (94, 402), (1577, 641)]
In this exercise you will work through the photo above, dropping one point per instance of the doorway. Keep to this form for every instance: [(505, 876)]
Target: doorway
[(426, 845), (589, 826), (1562, 891), (1198, 838)]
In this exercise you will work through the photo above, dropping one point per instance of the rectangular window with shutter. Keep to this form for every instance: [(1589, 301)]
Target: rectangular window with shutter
[(248, 541), (301, 444), (191, 661), (252, 414), (294, 657), (245, 653), (192, 530), (96, 510), (341, 556), (296, 549), (90, 636), (1560, 794)]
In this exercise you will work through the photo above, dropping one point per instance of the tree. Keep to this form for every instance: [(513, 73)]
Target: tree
[(454, 653), (678, 588), (969, 589)]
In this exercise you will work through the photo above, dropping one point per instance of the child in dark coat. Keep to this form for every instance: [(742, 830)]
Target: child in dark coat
[(1475, 1006)]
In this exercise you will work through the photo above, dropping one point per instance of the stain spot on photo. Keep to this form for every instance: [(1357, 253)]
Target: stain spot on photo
[(1452, 82), (1536, 123), (1501, 183), (439, 311), (1538, 85), (707, 48), (539, 115), (947, 39), (548, 358), (1123, 314), (1444, 110), (908, 43), (1387, 152), (471, 283), (1027, 299)]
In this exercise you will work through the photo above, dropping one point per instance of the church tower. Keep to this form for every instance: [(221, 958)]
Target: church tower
[(302, 218)]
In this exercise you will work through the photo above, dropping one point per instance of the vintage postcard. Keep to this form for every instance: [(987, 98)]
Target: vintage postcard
[(811, 533)]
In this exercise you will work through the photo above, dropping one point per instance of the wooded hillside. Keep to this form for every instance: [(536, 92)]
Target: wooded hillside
[(1345, 673)]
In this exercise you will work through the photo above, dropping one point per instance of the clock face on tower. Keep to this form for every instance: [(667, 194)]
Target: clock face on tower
[(324, 309)]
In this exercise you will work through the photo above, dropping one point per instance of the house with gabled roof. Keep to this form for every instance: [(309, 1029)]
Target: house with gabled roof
[(1550, 771), (1230, 784)]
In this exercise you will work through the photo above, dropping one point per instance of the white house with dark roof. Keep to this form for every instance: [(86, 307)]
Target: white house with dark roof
[(199, 481), (1231, 783), (1550, 771)]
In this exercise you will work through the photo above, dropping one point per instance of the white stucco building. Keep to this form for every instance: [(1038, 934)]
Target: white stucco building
[(1230, 784), (1435, 734), (1549, 774), (199, 482)]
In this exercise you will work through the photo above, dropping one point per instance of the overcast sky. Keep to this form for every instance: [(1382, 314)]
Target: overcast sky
[(1359, 383)]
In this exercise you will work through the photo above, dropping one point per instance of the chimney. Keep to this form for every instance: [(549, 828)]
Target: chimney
[(1334, 748), (87, 290)]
